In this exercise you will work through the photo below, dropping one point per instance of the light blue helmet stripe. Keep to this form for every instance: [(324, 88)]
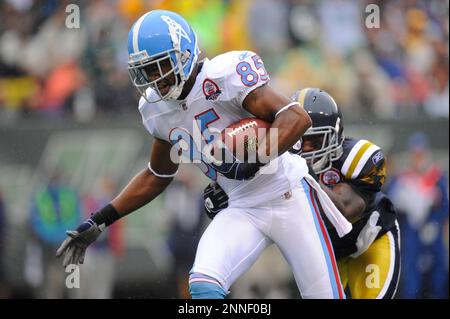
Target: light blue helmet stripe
[(135, 32)]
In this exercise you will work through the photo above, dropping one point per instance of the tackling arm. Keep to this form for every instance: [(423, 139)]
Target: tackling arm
[(349, 203)]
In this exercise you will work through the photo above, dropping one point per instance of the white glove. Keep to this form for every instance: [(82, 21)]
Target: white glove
[(367, 235)]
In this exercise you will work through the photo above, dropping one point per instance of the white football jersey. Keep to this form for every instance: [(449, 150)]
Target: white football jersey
[(214, 103)]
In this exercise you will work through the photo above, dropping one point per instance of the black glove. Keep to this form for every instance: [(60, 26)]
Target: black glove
[(233, 168), (215, 199)]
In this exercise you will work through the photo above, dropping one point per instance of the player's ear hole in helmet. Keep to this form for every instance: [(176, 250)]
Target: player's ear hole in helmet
[(322, 142), (163, 51)]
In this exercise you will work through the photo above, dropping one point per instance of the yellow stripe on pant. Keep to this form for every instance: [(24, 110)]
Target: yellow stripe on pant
[(370, 275)]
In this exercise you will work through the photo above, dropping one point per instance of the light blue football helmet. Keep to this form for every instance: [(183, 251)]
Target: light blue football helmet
[(158, 36)]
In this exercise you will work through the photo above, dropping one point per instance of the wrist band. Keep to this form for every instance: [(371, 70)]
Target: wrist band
[(107, 215), (284, 108)]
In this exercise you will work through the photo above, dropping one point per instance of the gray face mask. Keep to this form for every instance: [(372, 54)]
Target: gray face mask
[(330, 150)]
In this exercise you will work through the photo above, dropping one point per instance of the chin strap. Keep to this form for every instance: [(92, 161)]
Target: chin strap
[(320, 165), (176, 92)]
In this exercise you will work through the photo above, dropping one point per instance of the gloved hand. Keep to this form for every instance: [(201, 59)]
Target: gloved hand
[(74, 247), (215, 199), (233, 168), (367, 235)]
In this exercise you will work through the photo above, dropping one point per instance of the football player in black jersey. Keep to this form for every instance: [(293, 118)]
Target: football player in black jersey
[(352, 172)]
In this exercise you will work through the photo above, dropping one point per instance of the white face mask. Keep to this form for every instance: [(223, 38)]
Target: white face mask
[(141, 80)]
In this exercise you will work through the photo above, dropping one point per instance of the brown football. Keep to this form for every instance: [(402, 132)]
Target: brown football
[(242, 138)]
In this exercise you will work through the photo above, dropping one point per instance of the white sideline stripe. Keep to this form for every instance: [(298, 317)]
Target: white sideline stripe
[(363, 160), (351, 156), (136, 28)]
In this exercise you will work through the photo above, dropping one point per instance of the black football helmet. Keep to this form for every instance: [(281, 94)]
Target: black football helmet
[(327, 127)]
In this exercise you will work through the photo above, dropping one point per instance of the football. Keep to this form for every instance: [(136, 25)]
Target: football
[(242, 138)]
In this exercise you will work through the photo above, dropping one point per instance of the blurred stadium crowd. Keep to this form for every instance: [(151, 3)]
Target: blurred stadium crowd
[(400, 71)]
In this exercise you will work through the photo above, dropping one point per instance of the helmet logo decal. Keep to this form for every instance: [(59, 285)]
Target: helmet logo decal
[(176, 28)]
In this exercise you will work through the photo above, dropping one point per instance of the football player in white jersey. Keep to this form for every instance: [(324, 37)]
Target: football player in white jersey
[(352, 172), (184, 104)]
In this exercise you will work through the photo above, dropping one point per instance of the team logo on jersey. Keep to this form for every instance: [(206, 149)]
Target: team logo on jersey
[(244, 55), (330, 177), (211, 90)]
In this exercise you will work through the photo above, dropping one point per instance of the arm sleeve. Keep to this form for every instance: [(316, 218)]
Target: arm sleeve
[(246, 72)]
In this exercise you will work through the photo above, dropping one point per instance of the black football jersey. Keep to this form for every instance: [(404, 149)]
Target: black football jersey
[(363, 166)]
